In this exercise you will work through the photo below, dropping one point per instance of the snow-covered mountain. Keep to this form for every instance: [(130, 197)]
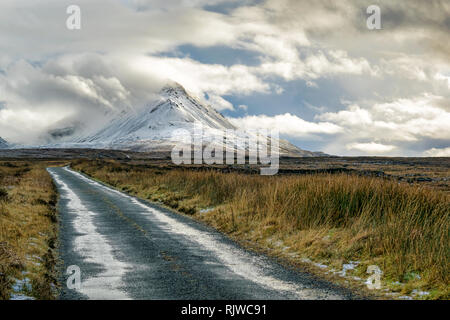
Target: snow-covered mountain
[(3, 144), (152, 127)]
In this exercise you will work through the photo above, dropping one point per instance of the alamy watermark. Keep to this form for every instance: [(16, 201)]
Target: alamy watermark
[(374, 20), (203, 145), (374, 281), (73, 22), (74, 279)]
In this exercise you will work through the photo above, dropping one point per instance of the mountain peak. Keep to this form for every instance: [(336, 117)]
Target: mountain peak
[(173, 88), (154, 125)]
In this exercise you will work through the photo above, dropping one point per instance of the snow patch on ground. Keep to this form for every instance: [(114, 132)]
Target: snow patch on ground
[(94, 248), (416, 292), (348, 266), (206, 210), (19, 286), (320, 265)]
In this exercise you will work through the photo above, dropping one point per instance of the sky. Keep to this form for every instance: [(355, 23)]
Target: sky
[(312, 69)]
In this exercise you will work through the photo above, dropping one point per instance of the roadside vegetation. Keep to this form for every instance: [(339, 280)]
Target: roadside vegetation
[(344, 221), (28, 231)]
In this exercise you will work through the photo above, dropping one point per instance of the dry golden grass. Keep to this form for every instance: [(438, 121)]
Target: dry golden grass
[(28, 229), (331, 219)]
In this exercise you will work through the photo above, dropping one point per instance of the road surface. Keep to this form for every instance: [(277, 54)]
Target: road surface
[(127, 248)]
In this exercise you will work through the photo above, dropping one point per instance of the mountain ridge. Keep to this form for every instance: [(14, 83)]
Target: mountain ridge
[(152, 127)]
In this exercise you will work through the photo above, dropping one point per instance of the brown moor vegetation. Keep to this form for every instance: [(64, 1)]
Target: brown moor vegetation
[(328, 218), (28, 231)]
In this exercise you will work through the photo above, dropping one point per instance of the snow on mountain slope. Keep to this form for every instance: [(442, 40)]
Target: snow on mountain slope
[(175, 110), (152, 128)]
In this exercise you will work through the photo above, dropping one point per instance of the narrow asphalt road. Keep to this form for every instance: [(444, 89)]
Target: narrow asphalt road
[(129, 249)]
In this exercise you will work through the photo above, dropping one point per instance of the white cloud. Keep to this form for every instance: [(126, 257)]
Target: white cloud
[(274, 34), (199, 78), (371, 147), (164, 4), (406, 119), (38, 97), (438, 152), (107, 26), (311, 84), (219, 103), (25, 126), (410, 67), (287, 123), (316, 65), (440, 77)]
